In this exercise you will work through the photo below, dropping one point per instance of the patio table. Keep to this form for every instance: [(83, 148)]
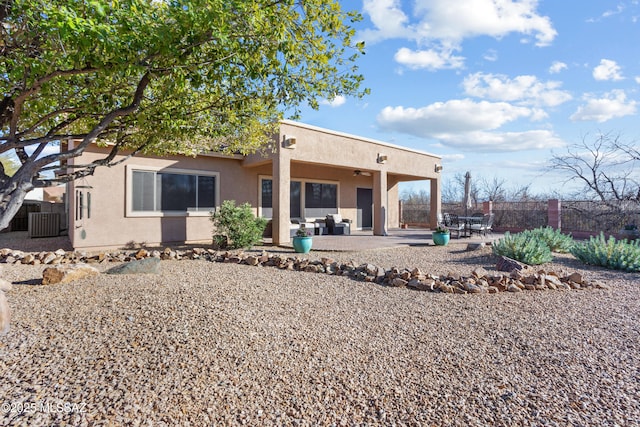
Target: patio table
[(468, 220)]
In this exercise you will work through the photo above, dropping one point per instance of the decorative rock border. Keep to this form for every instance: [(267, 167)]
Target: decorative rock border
[(512, 276)]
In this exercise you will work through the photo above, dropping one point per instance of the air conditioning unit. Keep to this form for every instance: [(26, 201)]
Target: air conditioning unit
[(44, 224)]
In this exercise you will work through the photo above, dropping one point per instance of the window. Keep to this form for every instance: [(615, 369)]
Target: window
[(321, 196), (154, 191), (295, 190), (295, 201)]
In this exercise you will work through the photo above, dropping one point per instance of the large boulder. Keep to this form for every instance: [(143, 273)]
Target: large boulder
[(5, 285), (507, 264), (67, 273), (143, 266)]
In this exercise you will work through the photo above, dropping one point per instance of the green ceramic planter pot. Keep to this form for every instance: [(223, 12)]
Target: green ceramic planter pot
[(302, 244), (440, 239)]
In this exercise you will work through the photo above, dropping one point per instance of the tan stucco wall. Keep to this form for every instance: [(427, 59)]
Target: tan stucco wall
[(319, 155), (109, 226), (326, 147)]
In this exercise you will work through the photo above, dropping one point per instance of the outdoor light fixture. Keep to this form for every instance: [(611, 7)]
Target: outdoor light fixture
[(438, 168), (382, 158), (290, 142), (358, 172)]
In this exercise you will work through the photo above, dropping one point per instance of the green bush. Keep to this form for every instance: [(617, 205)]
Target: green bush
[(236, 227), (525, 247), (612, 253), (554, 238)]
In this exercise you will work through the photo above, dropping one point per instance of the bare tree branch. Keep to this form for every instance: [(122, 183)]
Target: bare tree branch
[(606, 167), (100, 127)]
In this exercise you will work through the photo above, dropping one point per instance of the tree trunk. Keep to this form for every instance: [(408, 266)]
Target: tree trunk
[(12, 194)]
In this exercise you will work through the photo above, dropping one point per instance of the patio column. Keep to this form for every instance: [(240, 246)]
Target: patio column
[(555, 214), (435, 203), (281, 171), (380, 208), (487, 207)]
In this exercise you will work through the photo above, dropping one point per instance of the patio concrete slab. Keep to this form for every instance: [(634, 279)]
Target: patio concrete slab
[(365, 240)]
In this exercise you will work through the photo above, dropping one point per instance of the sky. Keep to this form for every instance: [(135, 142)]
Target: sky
[(495, 87)]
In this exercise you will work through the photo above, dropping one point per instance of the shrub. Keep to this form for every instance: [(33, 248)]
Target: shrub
[(612, 253), (553, 238), (525, 247), (236, 227)]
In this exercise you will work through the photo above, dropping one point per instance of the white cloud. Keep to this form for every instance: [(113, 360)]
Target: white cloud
[(453, 157), (388, 18), (526, 89), (335, 102), (503, 141), (491, 55), (468, 125), (460, 19), (616, 11), (620, 8), (440, 26), (637, 79), (613, 104), (607, 70), (428, 59), (556, 67), (458, 115)]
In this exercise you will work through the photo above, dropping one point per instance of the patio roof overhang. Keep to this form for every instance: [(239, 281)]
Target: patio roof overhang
[(300, 144)]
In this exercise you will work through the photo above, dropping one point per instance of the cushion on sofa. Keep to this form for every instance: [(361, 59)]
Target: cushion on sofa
[(336, 217)]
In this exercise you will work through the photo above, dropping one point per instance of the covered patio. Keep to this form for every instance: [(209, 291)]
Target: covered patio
[(315, 172)]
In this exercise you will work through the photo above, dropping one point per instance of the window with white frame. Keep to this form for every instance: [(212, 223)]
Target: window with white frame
[(171, 191)]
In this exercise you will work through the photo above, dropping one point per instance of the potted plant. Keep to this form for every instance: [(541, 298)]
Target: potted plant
[(302, 240), (441, 236)]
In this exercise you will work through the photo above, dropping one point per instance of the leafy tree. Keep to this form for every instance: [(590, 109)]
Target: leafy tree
[(175, 76)]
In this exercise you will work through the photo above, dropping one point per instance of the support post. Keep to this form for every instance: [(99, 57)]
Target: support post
[(435, 208), (281, 171), (380, 203)]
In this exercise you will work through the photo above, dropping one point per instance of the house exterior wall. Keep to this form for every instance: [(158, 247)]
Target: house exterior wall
[(109, 225), (319, 155)]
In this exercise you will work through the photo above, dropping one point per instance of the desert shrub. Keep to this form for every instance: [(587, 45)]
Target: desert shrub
[(525, 247), (236, 226), (554, 238), (612, 253)]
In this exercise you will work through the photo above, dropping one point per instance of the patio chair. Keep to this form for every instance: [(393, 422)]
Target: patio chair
[(452, 222), (483, 227)]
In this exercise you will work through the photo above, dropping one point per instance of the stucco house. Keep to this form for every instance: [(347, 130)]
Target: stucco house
[(312, 173)]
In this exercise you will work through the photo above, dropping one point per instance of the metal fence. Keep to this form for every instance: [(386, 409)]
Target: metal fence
[(584, 215), (516, 215), (576, 215), (415, 214)]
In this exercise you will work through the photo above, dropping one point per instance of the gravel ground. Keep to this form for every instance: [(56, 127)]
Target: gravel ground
[(219, 344)]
